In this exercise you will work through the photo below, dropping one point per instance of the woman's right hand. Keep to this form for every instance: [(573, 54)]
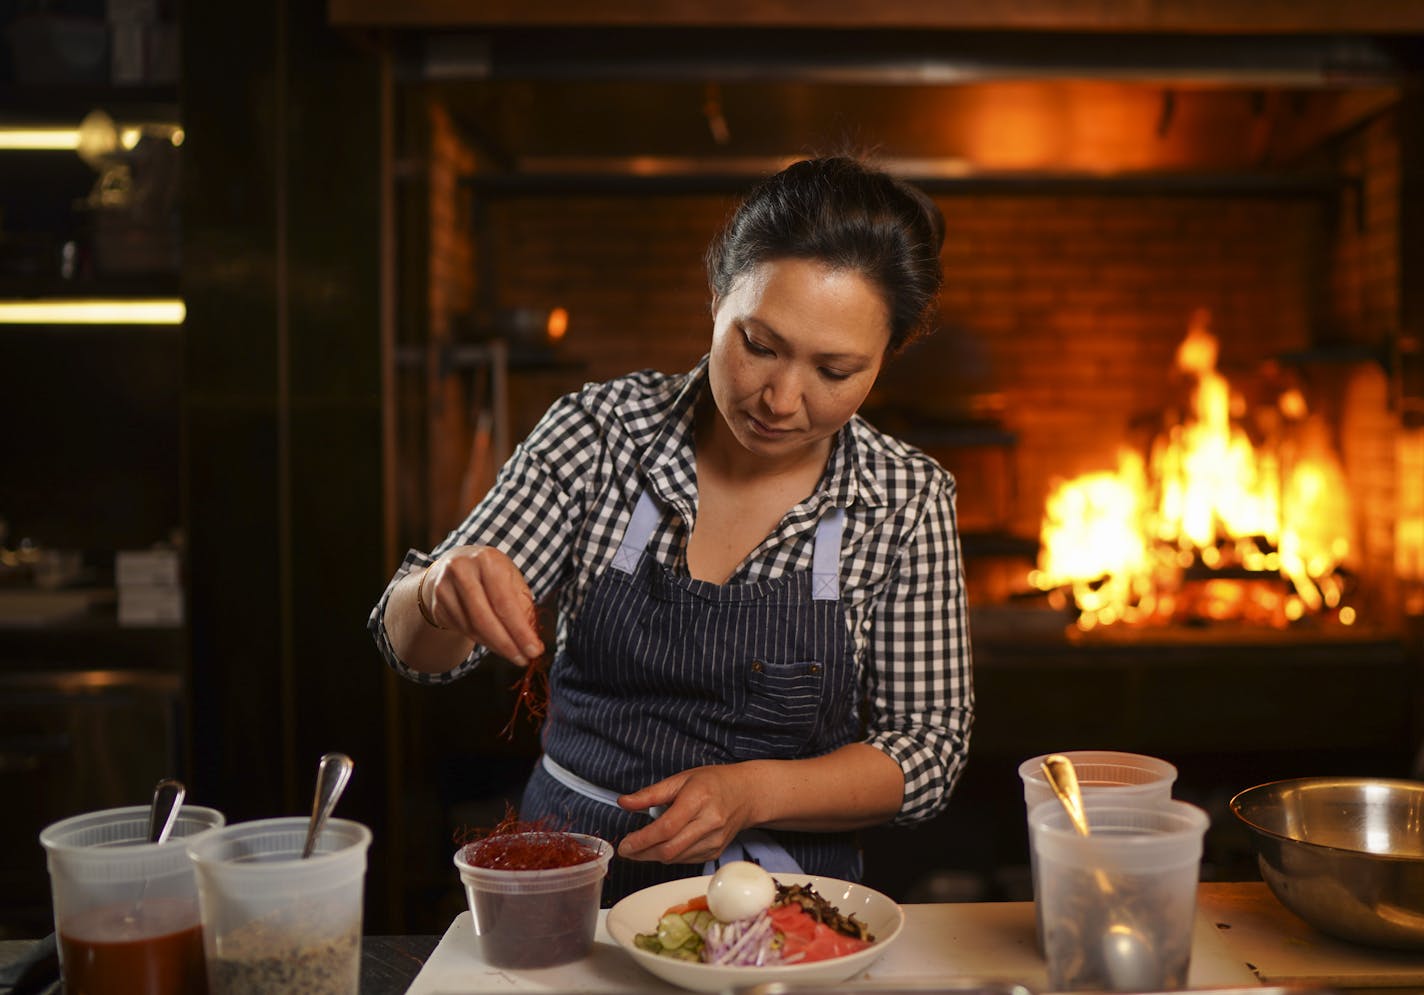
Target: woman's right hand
[(478, 592)]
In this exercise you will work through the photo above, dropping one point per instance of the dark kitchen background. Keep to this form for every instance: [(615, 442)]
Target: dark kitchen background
[(401, 230)]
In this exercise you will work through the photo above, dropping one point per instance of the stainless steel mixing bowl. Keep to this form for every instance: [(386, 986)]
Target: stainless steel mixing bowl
[(1346, 854)]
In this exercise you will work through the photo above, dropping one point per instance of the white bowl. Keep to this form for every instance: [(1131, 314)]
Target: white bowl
[(639, 913)]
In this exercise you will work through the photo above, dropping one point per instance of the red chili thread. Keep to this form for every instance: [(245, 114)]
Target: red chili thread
[(524, 846), (531, 694), (531, 691)]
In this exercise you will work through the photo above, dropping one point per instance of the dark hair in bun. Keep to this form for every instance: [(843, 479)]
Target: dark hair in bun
[(841, 212)]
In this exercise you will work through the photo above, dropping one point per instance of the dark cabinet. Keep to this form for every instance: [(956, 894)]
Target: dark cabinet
[(92, 713), (74, 741)]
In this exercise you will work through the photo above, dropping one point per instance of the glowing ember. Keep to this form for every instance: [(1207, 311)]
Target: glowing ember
[(1211, 525)]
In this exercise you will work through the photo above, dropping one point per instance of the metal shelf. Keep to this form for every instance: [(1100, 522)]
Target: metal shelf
[(68, 103), (17, 288)]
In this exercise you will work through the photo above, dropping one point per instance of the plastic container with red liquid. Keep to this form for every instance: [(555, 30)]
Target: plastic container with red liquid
[(126, 913)]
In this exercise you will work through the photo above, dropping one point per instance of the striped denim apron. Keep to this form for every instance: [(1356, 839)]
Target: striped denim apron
[(662, 673)]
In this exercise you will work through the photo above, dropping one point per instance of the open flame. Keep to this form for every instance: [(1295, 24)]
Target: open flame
[(1209, 524)]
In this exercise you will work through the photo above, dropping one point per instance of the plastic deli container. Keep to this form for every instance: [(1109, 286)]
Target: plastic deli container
[(126, 914), (275, 922), (1137, 872), (1133, 778), (536, 918)]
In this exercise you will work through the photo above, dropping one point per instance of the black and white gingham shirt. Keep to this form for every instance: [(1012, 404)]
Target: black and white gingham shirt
[(561, 504)]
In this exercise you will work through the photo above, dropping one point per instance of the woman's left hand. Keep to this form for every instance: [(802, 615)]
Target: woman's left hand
[(706, 807)]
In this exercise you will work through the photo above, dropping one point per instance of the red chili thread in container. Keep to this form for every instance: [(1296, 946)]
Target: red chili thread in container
[(525, 846), (533, 892)]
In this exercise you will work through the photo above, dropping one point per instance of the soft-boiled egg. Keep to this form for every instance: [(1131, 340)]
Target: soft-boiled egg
[(740, 890)]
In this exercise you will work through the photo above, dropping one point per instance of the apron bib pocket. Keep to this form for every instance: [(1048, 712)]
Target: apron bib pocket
[(783, 703)]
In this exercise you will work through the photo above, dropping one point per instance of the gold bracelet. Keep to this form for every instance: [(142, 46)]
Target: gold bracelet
[(420, 602)]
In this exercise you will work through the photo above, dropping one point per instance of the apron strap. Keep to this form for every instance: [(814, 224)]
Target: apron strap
[(636, 536), (759, 848), (588, 789), (826, 559), (749, 844)]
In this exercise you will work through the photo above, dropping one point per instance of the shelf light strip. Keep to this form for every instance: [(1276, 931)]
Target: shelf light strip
[(67, 139), (39, 139), (95, 311)]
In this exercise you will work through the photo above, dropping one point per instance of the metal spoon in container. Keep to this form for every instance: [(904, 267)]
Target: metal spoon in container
[(168, 797), (1128, 957), (331, 776)]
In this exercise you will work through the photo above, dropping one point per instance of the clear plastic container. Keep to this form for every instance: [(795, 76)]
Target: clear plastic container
[(536, 918), (1132, 778), (1136, 871), (126, 914), (275, 922), (1129, 776)]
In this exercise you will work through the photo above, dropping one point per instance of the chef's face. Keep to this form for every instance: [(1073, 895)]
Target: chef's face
[(796, 347)]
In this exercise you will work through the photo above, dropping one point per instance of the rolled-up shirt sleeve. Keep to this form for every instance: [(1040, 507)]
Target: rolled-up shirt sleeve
[(920, 693), (530, 515)]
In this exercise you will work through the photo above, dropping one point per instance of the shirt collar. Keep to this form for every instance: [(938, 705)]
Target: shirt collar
[(850, 475), (669, 459), (669, 456)]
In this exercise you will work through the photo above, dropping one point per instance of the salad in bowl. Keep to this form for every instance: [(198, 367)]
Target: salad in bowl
[(743, 926)]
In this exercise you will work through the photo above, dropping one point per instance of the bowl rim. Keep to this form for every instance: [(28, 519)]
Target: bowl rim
[(1239, 800)]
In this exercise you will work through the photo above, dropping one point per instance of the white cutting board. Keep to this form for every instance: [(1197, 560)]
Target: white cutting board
[(984, 940)]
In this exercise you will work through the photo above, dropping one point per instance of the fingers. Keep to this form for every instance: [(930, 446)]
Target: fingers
[(478, 618), (479, 591), (698, 823), (515, 607), (653, 796), (698, 840)]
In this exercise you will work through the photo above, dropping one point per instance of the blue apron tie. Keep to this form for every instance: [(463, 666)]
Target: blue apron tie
[(750, 844)]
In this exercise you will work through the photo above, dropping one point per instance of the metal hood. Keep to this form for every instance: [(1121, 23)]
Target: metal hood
[(936, 90)]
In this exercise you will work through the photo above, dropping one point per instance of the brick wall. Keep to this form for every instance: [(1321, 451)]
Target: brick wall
[(1060, 315), (629, 271), (450, 293), (1364, 312)]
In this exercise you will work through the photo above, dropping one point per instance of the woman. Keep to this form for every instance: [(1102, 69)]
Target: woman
[(762, 642)]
